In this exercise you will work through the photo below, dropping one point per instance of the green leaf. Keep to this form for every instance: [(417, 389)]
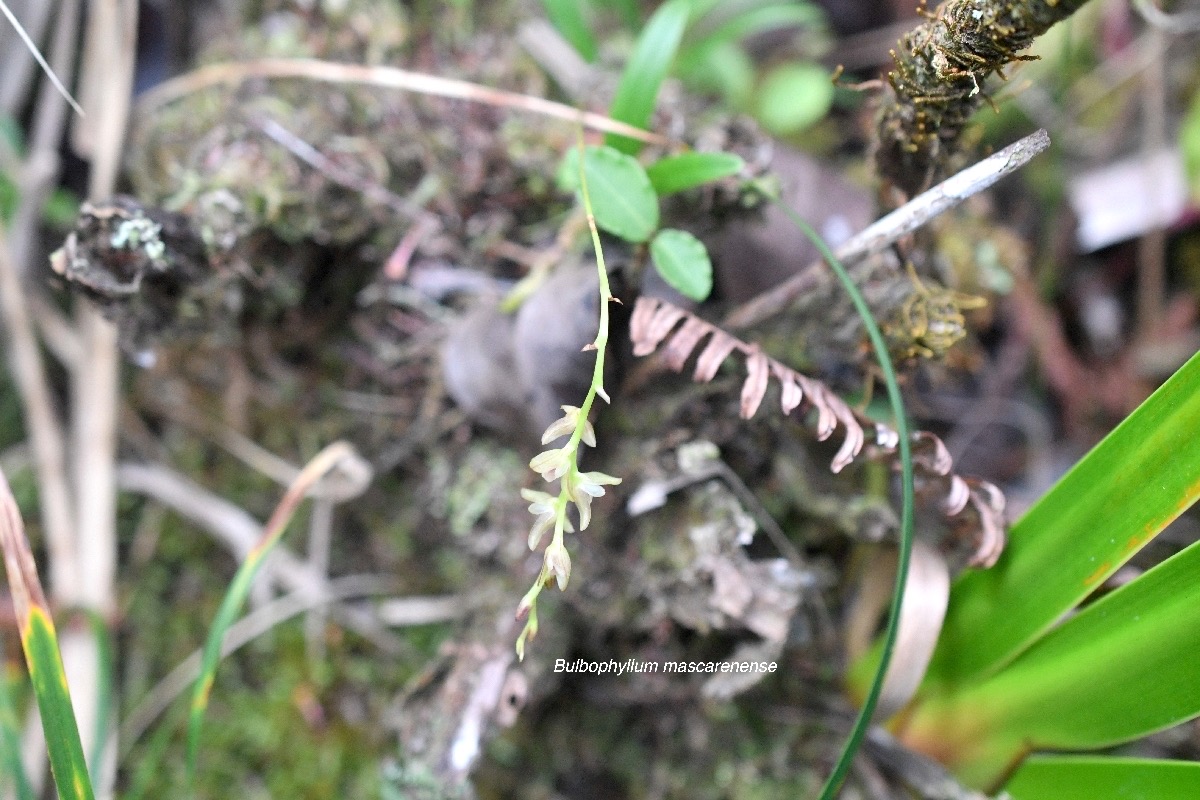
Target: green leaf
[(793, 96), (567, 17), (1104, 778), (235, 597), (723, 69), (567, 176), (1189, 142), (859, 730), (12, 771), (1116, 499), (623, 201), (760, 20), (646, 70), (677, 173), (1123, 667), (683, 262), (54, 702)]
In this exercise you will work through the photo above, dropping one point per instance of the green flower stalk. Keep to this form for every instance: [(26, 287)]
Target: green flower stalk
[(562, 463)]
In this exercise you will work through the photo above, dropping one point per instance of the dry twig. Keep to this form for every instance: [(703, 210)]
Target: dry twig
[(887, 230), (384, 77)]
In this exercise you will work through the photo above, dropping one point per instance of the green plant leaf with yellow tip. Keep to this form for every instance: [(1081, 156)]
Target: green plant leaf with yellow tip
[(42, 657)]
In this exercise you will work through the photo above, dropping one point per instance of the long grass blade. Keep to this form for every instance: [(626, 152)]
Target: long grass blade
[(896, 400), (42, 656), (235, 597)]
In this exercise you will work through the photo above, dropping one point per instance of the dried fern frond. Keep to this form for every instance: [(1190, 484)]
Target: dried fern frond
[(975, 508)]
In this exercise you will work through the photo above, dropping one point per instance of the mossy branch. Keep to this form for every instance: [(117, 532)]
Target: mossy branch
[(938, 82)]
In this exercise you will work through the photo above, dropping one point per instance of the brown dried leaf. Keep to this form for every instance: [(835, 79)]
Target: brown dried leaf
[(719, 347), (790, 394), (639, 323), (22, 573), (684, 342), (663, 322), (957, 498), (989, 502), (853, 443), (819, 397), (930, 452), (758, 373)]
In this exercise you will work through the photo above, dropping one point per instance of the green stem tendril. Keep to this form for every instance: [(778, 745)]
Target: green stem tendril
[(838, 776)]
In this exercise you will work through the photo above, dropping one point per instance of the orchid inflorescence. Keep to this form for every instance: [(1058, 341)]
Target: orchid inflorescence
[(562, 463), (580, 488)]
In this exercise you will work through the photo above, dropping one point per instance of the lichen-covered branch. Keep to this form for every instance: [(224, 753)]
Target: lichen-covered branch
[(938, 82)]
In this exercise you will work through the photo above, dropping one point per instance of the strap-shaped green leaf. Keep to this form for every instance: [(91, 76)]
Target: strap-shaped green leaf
[(567, 17), (647, 69), (1123, 667), (1116, 499), (1104, 778)]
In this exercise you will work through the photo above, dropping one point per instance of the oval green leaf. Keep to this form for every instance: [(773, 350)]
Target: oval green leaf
[(688, 170), (794, 96), (683, 261), (623, 201)]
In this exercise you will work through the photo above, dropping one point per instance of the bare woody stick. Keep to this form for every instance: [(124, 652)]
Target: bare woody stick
[(887, 230)]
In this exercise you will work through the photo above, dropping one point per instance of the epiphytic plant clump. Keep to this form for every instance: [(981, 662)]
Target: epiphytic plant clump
[(938, 83)]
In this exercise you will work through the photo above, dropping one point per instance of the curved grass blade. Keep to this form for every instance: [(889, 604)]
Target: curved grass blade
[(854, 741), (42, 657), (689, 170), (567, 18), (1120, 496), (647, 69), (235, 597), (1104, 778), (12, 770), (1123, 667)]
